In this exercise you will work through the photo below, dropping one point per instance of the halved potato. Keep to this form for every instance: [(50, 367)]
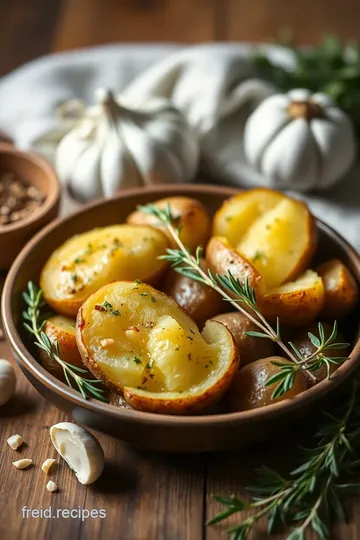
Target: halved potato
[(250, 348), (139, 341), (61, 329), (248, 390), (87, 261), (341, 289), (222, 258), (296, 303), (238, 213), (275, 233), (199, 301), (190, 214)]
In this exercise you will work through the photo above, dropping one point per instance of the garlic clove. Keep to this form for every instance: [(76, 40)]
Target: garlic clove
[(22, 463), (7, 381), (51, 486), (46, 466), (80, 449), (15, 441)]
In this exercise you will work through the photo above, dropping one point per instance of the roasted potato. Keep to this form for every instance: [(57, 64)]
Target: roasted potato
[(296, 303), (248, 390), (87, 261), (250, 348), (199, 301), (189, 214), (275, 233), (222, 258), (139, 341), (341, 289), (302, 341), (62, 330)]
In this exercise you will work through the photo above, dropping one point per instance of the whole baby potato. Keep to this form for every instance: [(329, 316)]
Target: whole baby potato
[(306, 348), (200, 301), (248, 390), (188, 214), (250, 348), (61, 329), (341, 289)]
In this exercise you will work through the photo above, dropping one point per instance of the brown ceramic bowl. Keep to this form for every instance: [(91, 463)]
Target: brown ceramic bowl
[(37, 172), (147, 430)]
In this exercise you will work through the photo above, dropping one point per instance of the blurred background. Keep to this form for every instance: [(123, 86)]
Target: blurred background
[(30, 28)]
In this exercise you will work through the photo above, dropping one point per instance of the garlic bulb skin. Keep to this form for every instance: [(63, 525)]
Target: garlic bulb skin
[(7, 381), (299, 141), (121, 147)]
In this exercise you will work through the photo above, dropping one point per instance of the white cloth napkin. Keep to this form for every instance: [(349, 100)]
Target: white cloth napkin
[(215, 86)]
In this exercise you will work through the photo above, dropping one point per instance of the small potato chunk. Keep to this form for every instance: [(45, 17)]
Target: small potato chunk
[(222, 259), (190, 214), (248, 390), (275, 233), (199, 301), (164, 365), (61, 329), (250, 348), (296, 303), (302, 341), (341, 289), (87, 261)]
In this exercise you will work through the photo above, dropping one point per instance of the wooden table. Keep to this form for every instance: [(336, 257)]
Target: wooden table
[(146, 496)]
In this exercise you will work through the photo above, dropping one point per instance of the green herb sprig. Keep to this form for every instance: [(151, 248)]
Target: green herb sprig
[(34, 322), (311, 496), (187, 264)]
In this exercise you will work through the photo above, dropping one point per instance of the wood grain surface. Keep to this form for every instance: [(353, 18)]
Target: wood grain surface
[(146, 496)]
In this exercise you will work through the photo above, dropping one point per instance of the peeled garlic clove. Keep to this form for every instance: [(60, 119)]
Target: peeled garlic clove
[(51, 486), (22, 463), (46, 466), (15, 441), (80, 449), (7, 381)]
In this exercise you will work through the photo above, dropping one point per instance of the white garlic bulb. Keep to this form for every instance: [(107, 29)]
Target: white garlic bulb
[(7, 381), (120, 147)]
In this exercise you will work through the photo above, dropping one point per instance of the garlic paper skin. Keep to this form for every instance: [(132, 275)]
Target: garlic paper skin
[(119, 147), (299, 141)]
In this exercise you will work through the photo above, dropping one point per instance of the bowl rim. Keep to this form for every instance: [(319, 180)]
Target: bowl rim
[(52, 198), (139, 417)]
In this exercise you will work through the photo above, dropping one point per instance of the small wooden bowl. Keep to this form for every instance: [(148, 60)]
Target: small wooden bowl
[(37, 172), (154, 431)]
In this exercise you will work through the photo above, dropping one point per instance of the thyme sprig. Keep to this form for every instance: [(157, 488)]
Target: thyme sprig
[(187, 264), (34, 322), (311, 496)]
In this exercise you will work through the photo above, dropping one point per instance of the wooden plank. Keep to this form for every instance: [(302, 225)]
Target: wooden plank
[(145, 495), (261, 20), (90, 22), (26, 30)]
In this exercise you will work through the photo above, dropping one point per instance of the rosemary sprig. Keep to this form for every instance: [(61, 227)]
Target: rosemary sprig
[(34, 323), (187, 264), (310, 496)]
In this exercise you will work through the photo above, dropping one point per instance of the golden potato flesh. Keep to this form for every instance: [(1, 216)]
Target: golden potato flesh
[(87, 261), (296, 303), (200, 301), (248, 389), (302, 341), (341, 289), (250, 348), (189, 214), (139, 341), (275, 233), (61, 329)]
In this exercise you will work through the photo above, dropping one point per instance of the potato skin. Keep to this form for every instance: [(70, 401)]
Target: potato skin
[(302, 342), (89, 260), (199, 301), (341, 289), (298, 306), (190, 214), (61, 329), (248, 390), (250, 348), (222, 258)]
